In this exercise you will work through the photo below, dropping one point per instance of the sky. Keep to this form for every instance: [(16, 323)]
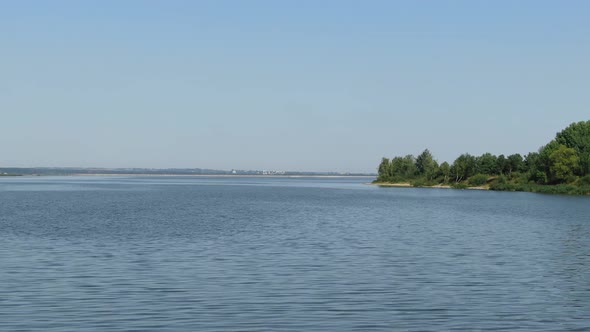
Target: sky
[(286, 85)]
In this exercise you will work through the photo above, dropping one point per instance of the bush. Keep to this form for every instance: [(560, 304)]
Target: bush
[(520, 177), (459, 185), (478, 180), (504, 186), (419, 183), (538, 177), (502, 179), (563, 189), (585, 181)]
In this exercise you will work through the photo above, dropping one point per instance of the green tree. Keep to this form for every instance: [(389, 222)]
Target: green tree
[(534, 168), (426, 165), (577, 137), (463, 167), (501, 164), (531, 162), (544, 162), (514, 163), (445, 170), (383, 170), (563, 164), (408, 167), (486, 163), (401, 168), (396, 166)]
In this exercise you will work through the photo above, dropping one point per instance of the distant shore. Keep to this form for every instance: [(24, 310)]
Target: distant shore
[(198, 175), (224, 175)]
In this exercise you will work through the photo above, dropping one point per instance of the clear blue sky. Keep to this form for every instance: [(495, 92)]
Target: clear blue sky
[(296, 85)]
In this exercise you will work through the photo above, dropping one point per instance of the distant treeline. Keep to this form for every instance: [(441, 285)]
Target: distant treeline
[(105, 171), (12, 171), (561, 166)]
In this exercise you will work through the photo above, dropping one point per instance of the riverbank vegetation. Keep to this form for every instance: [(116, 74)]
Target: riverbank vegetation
[(560, 167)]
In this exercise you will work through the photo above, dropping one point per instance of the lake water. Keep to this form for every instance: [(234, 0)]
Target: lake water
[(287, 254)]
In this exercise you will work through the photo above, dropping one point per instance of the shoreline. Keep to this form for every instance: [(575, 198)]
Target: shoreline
[(408, 185)]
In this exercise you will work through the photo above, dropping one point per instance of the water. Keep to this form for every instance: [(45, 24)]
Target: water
[(287, 254)]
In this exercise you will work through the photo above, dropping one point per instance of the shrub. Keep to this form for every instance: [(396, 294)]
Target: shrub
[(538, 177), (459, 185), (478, 180), (502, 179), (584, 180), (503, 186), (419, 183)]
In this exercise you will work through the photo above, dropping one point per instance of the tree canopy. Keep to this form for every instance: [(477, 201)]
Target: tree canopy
[(563, 160)]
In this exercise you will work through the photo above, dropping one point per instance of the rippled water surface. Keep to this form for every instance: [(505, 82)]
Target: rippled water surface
[(287, 254)]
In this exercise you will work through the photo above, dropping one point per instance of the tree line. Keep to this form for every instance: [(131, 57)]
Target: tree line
[(565, 162)]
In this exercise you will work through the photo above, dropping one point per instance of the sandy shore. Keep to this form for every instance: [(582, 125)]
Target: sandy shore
[(391, 184)]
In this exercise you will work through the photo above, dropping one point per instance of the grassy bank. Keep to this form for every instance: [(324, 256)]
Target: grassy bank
[(564, 189)]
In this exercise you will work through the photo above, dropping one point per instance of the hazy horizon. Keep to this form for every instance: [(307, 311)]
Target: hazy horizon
[(293, 85)]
